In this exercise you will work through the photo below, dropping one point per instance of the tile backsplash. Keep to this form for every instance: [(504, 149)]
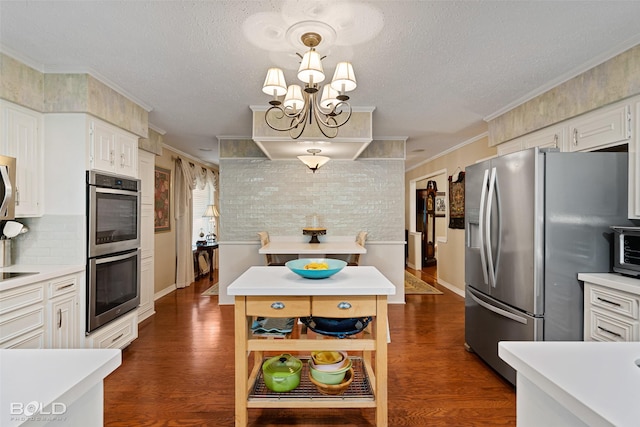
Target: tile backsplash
[(51, 240)]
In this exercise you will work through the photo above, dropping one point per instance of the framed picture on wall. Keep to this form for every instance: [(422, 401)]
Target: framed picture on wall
[(441, 204), (162, 200)]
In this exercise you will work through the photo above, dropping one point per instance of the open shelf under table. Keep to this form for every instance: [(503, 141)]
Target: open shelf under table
[(359, 389)]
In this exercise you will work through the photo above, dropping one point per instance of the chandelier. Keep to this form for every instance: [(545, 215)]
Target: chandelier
[(301, 105)]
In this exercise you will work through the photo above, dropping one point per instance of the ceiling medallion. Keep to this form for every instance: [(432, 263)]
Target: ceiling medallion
[(327, 104)]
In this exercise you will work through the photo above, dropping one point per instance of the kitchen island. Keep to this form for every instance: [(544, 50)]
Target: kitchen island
[(54, 387), (575, 383), (278, 292)]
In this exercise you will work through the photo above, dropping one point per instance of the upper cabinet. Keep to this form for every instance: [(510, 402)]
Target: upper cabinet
[(21, 137), (602, 128), (112, 149), (550, 137)]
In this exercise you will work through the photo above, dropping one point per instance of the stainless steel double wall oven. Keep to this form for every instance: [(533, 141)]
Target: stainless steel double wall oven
[(113, 249)]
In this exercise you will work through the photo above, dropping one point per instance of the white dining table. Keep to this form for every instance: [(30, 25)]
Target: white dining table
[(304, 248)]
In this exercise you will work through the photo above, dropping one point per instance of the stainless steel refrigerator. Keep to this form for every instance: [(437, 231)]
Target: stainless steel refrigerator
[(533, 220)]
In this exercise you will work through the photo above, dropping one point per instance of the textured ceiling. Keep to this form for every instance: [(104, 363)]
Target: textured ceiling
[(433, 70)]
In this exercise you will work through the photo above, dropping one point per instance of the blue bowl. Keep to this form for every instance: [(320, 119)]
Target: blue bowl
[(297, 266)]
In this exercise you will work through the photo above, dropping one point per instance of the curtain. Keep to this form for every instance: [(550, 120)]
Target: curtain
[(185, 183)]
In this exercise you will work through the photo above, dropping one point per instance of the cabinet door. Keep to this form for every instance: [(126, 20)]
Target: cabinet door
[(126, 158), (551, 137), (21, 139), (602, 128), (63, 322), (146, 308), (103, 155), (634, 167), (510, 147), (146, 165)]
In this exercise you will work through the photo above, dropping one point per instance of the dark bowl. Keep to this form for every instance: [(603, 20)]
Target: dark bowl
[(338, 327)]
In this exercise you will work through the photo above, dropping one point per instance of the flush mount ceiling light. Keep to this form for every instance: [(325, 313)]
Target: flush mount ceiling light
[(326, 103), (314, 162)]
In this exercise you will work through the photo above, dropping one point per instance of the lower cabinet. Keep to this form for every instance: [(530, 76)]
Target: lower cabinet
[(611, 312), (118, 333)]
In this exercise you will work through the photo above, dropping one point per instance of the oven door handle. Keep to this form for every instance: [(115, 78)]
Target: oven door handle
[(115, 191), (117, 257)]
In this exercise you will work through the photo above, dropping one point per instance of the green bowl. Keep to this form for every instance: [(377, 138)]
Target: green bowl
[(329, 377)]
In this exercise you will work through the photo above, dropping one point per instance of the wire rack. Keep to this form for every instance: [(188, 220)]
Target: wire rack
[(360, 387)]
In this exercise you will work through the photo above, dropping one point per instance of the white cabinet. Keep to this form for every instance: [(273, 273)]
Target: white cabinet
[(146, 167), (112, 149), (21, 137), (22, 317), (549, 137), (510, 146), (118, 333), (63, 323), (634, 167), (601, 128), (611, 307)]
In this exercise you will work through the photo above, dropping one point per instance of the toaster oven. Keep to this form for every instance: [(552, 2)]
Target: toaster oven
[(626, 250)]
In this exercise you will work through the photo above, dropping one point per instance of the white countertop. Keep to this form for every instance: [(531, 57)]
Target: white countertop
[(322, 248), (598, 382), (43, 272), (263, 280), (611, 280), (48, 376)]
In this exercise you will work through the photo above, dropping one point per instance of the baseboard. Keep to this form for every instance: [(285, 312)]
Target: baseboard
[(452, 288), (165, 291)]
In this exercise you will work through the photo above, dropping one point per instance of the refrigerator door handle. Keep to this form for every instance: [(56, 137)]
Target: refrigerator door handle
[(490, 196), (499, 311), (483, 201)]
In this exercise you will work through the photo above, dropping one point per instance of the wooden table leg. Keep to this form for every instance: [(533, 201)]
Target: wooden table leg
[(241, 361), (381, 362)]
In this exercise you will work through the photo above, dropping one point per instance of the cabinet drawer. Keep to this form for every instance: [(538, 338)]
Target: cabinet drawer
[(116, 336), (271, 306), (345, 306), (23, 296), (62, 285), (32, 340), (615, 301), (605, 328), (20, 322)]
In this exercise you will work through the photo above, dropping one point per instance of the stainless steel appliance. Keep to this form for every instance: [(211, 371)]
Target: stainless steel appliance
[(7, 187), (626, 251), (533, 220), (113, 247), (113, 213), (113, 287)]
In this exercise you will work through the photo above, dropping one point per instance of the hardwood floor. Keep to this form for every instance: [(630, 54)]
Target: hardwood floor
[(179, 372)]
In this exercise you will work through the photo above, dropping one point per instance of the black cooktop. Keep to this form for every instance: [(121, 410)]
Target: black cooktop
[(13, 275)]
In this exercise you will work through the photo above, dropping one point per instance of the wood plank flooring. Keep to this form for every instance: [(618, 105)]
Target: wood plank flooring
[(179, 372)]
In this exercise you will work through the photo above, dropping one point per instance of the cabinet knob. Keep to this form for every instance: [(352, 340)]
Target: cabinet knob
[(575, 136), (344, 305), (277, 305)]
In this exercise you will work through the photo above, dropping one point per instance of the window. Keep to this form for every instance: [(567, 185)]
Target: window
[(202, 199)]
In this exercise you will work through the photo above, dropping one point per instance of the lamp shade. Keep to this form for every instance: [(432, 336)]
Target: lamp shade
[(344, 79), (274, 83), (211, 211), (314, 162), (310, 70), (329, 97), (294, 99)]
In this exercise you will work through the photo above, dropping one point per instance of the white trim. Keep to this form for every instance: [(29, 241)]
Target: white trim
[(156, 129), (55, 69), (188, 156), (456, 290), (164, 292), (450, 150), (576, 71)]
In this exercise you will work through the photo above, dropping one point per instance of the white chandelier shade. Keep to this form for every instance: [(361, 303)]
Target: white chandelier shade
[(311, 70), (329, 97), (344, 79), (294, 99), (274, 83)]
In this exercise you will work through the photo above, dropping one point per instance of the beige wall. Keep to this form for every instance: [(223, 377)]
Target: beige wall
[(451, 252), (165, 242)]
